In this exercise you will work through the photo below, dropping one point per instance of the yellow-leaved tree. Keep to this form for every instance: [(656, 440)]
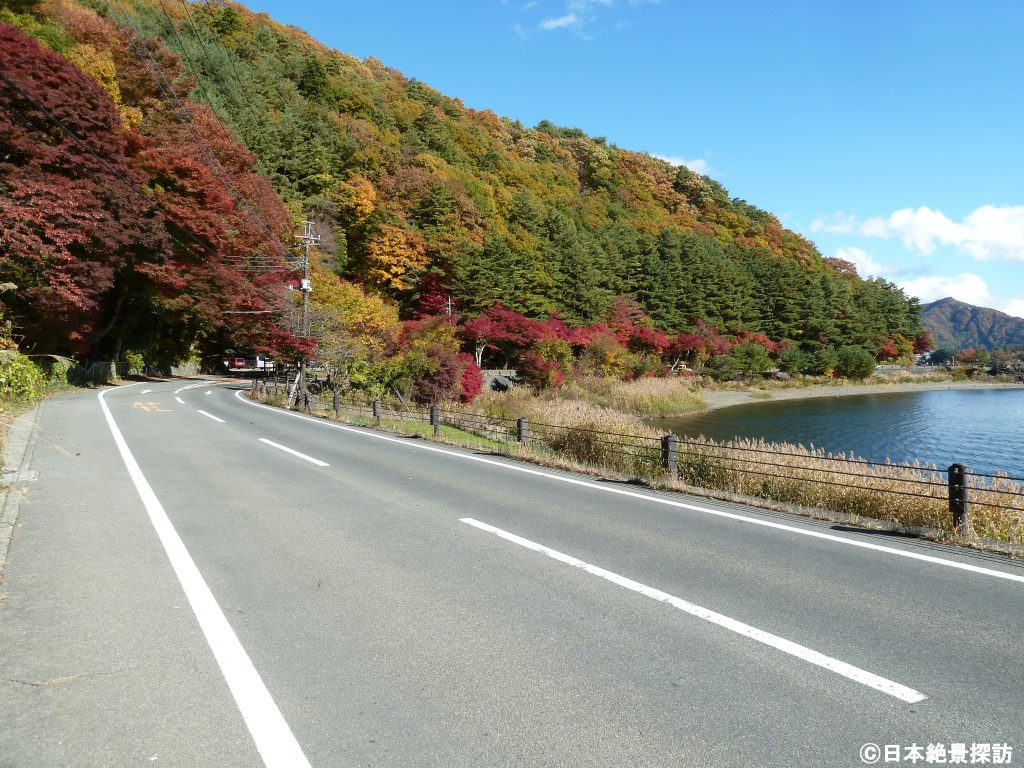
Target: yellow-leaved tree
[(355, 331), (392, 255)]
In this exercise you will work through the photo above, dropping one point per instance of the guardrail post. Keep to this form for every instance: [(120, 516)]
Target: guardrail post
[(435, 419), (670, 453), (337, 404), (523, 430), (958, 497), (377, 411)]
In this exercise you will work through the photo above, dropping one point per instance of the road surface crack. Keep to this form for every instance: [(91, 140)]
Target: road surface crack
[(55, 681)]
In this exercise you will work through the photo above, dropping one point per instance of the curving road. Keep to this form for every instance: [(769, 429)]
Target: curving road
[(196, 580)]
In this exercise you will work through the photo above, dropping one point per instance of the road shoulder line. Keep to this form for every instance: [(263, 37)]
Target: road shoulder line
[(422, 445), (273, 738)]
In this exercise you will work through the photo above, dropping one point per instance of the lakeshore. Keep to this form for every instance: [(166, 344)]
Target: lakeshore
[(717, 399)]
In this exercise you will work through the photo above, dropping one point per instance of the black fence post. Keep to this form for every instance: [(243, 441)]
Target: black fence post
[(377, 414), (958, 497), (435, 419), (670, 453), (337, 404), (523, 430)]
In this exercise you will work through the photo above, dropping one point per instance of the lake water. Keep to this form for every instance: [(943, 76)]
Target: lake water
[(983, 429)]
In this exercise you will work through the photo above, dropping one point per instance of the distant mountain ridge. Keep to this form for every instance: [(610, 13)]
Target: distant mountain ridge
[(956, 325)]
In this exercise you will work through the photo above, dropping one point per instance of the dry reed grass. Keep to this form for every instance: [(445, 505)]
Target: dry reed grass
[(643, 397), (914, 496), (581, 435)]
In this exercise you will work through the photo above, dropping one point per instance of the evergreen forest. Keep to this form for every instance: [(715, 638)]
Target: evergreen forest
[(157, 157)]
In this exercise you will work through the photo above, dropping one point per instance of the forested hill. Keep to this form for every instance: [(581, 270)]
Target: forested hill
[(420, 198), (955, 325)]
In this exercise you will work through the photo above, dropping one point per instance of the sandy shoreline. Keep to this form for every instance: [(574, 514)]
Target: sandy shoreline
[(726, 399)]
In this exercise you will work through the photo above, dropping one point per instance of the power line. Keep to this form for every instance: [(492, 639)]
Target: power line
[(157, 74), (184, 54), (207, 248), (246, 99), (181, 112)]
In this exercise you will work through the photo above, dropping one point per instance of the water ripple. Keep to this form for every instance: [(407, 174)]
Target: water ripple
[(983, 429)]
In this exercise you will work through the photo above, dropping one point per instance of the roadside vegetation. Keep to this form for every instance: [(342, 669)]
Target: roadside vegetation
[(584, 436), (24, 381)]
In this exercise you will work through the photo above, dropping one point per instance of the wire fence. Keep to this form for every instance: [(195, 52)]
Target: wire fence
[(102, 372), (915, 495)]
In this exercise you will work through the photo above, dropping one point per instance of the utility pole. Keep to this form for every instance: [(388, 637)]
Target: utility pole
[(308, 238)]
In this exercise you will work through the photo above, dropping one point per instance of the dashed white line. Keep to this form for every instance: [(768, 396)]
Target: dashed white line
[(146, 391), (208, 392), (420, 445), (209, 415), (273, 738), (293, 452), (179, 399), (804, 653)]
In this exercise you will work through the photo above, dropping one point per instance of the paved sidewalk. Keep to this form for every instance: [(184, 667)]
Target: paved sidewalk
[(17, 458), (101, 660)]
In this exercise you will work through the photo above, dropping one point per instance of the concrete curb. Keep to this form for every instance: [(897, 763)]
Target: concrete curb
[(17, 456)]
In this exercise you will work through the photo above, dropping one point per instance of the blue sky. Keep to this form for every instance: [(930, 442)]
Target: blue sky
[(888, 132)]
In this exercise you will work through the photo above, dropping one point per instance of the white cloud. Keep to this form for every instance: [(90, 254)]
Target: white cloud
[(921, 230), (698, 165), (995, 231), (1013, 307), (839, 223), (865, 263), (989, 232), (560, 22), (580, 14), (966, 287)]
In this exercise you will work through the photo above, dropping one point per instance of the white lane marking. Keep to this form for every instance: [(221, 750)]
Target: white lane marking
[(274, 739), (293, 452), (420, 445), (849, 671), (179, 399), (192, 386), (210, 415), (146, 391), (208, 392)]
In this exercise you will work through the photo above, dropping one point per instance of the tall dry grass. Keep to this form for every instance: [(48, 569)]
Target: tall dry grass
[(643, 397), (914, 495), (583, 435)]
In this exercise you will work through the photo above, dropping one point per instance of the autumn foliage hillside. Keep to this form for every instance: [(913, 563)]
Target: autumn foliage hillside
[(554, 250), (115, 235)]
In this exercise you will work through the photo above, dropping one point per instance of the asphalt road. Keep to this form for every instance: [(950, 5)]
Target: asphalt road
[(267, 589)]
